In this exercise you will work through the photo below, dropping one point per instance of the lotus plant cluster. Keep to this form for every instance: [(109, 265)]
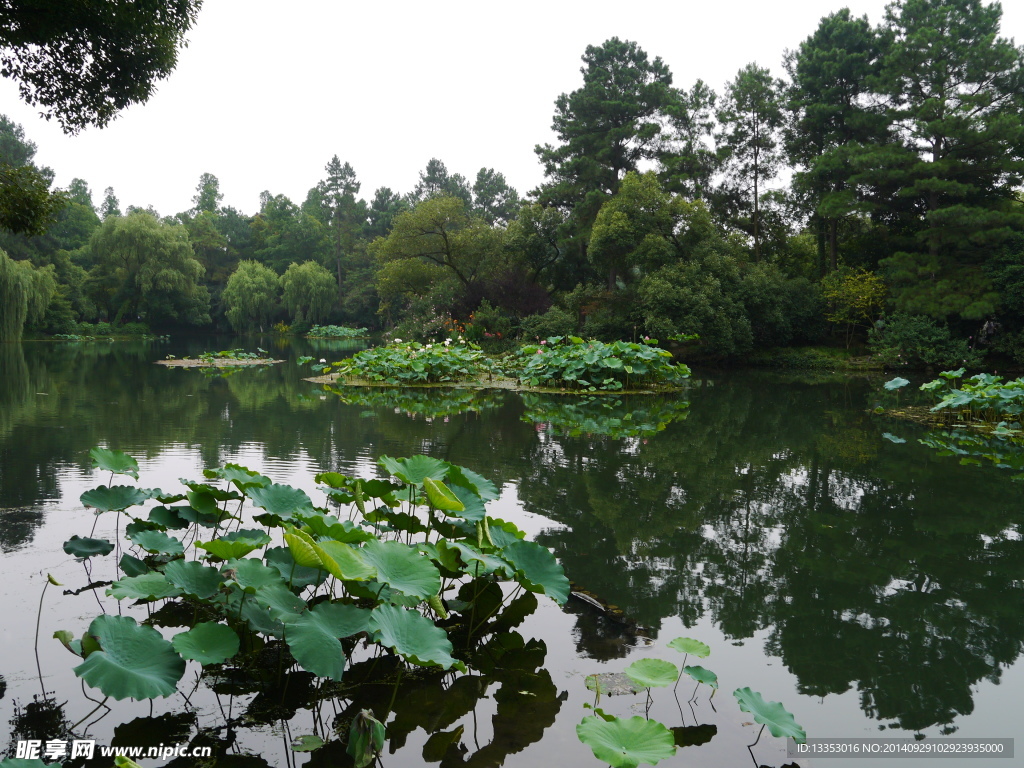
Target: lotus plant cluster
[(260, 564), (410, 362), (569, 362)]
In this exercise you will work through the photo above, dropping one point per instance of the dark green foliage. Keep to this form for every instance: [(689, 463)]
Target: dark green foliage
[(916, 341), (554, 322)]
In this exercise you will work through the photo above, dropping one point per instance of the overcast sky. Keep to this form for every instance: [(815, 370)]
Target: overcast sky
[(267, 92)]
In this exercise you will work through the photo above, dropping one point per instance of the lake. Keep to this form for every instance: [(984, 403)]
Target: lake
[(874, 587)]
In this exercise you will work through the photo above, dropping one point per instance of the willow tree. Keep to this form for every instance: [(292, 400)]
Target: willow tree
[(25, 293), (250, 297), (309, 292)]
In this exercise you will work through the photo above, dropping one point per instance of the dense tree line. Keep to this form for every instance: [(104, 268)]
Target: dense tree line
[(876, 187)]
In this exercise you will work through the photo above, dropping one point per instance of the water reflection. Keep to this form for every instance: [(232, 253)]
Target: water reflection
[(774, 505)]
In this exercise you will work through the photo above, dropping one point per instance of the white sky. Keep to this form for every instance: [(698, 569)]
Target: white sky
[(267, 92)]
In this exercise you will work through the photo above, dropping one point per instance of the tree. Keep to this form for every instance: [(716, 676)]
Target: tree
[(208, 195), (309, 292), (435, 181), (954, 89), (688, 158), (831, 120), (606, 128), (493, 198), (25, 293), (384, 207), (82, 62), (750, 119), (250, 296), (111, 206), (27, 205), (146, 270), (342, 213)]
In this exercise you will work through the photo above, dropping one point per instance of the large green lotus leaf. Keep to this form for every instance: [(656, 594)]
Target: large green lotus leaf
[(626, 743), (345, 562), (259, 617), (539, 570), (770, 713), (442, 554), (441, 497), (132, 566), (193, 578), (205, 503), (281, 500), (281, 560), (217, 494), (328, 526), (470, 480), (403, 568), (303, 549), (207, 643), (690, 646), (481, 563), (167, 517), (250, 574), (504, 533), (282, 602), (413, 636), (241, 477), (158, 542), (135, 661), (652, 673), (118, 462), (472, 505), (416, 469), (702, 675), (115, 498), (85, 547), (149, 586), (235, 544), (313, 637)]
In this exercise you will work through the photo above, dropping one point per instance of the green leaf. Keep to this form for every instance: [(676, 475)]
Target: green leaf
[(132, 566), (441, 497), (702, 675), (626, 743), (242, 477), (416, 469), (207, 643), (303, 549), (403, 568), (652, 673), (314, 637), (898, 383), (236, 544), (193, 578), (118, 462), (470, 480), (345, 562), (85, 547), (282, 602), (115, 498), (68, 640), (135, 661), (413, 636), (366, 738), (250, 574), (281, 500), (281, 560), (770, 713), (158, 542), (167, 517), (149, 586), (538, 569), (473, 505), (690, 646)]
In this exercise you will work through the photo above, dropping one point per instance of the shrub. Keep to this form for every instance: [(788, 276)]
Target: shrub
[(554, 322), (414, 363), (916, 341)]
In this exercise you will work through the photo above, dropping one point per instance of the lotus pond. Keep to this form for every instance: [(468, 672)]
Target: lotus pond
[(872, 586)]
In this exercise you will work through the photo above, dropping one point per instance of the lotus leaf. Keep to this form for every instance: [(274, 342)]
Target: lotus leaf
[(134, 661), (217, 494), (118, 462), (250, 574), (539, 570), (345, 562), (298, 576), (470, 480), (772, 714), (690, 646), (473, 505), (85, 547), (149, 586), (69, 641), (480, 563), (413, 636), (282, 602), (193, 578), (235, 544), (403, 568), (313, 637), (132, 566), (366, 738), (281, 500), (416, 469), (702, 675), (652, 673), (307, 743), (167, 517), (898, 383), (626, 743), (158, 542), (504, 533), (303, 549), (441, 497), (207, 643), (892, 438), (115, 498), (241, 477)]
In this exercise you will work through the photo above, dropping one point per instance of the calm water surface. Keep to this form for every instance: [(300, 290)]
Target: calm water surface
[(873, 587)]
